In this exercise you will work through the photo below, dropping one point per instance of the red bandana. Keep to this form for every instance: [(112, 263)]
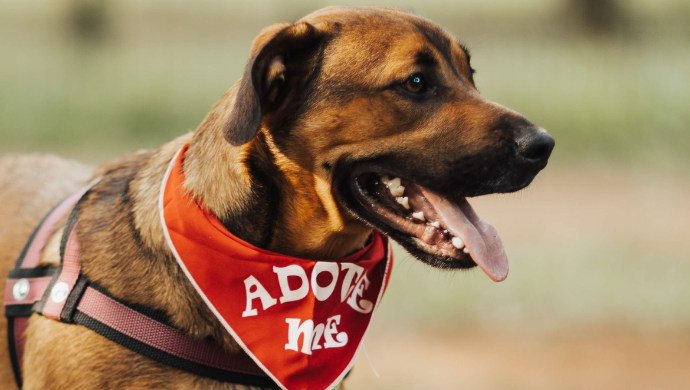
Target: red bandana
[(302, 321)]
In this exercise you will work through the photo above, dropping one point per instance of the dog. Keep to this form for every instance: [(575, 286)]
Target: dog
[(304, 156)]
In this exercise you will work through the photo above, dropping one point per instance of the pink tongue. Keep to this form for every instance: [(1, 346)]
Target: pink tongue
[(480, 237)]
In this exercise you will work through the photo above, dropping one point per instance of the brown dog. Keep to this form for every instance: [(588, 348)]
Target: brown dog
[(290, 160)]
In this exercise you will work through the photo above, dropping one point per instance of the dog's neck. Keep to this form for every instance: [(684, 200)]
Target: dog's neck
[(254, 189), (266, 199)]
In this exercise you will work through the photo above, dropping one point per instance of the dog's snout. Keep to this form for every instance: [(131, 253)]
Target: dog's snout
[(535, 145)]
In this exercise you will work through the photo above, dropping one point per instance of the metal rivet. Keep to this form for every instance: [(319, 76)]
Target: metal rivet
[(59, 292), (21, 289)]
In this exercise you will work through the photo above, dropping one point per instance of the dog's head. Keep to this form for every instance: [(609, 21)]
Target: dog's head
[(378, 110)]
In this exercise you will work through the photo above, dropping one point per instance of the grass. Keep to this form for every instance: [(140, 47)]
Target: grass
[(626, 101), (612, 99)]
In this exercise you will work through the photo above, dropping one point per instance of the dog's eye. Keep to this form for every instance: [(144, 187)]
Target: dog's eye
[(415, 84)]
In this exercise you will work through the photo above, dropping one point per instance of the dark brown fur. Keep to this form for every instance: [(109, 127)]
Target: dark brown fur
[(315, 95)]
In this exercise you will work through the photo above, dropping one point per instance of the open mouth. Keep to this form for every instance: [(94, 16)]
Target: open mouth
[(446, 228)]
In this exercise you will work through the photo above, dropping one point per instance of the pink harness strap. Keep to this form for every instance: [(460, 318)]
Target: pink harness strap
[(47, 228), (64, 294), (20, 324), (160, 336), (21, 293), (71, 267)]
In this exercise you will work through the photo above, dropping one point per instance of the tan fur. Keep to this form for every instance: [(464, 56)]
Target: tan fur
[(122, 243)]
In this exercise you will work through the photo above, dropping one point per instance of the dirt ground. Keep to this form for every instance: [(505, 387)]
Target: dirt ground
[(596, 359)]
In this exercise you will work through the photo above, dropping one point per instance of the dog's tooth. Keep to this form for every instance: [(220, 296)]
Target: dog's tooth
[(404, 202), (466, 250), (458, 242), (397, 191), (419, 215), (394, 182), (436, 224)]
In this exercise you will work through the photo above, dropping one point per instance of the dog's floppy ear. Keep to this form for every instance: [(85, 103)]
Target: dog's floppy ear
[(264, 74)]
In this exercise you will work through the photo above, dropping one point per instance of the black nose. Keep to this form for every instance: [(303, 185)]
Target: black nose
[(535, 145)]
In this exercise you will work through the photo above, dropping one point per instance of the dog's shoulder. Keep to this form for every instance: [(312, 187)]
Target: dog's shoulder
[(30, 185)]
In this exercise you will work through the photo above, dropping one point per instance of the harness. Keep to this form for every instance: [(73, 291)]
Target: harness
[(64, 294)]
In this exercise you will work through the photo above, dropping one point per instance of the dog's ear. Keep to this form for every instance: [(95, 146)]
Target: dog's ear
[(260, 87)]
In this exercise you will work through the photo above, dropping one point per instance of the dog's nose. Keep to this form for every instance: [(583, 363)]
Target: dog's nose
[(535, 145)]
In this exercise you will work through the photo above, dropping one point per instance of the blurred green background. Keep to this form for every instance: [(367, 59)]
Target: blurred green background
[(599, 291)]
